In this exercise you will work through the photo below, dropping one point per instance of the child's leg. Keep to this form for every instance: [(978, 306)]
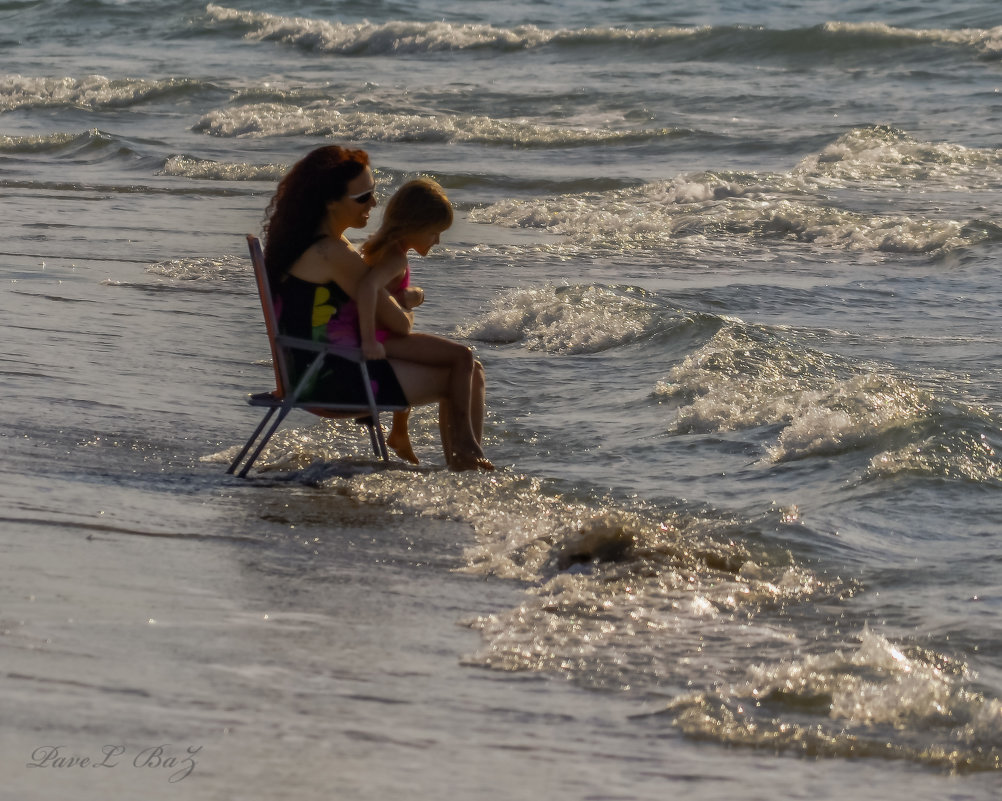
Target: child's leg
[(463, 441), (429, 349), (399, 439), (422, 349)]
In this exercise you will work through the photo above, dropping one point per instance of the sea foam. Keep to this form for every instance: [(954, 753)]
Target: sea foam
[(397, 37), (567, 319), (89, 91), (333, 119), (746, 378), (988, 41), (888, 157), (838, 704), (713, 208), (208, 170)]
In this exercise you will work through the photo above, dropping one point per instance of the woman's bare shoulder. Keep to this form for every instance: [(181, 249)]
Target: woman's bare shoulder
[(330, 259)]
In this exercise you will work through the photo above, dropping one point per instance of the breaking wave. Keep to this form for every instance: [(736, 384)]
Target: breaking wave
[(887, 157), (408, 37), (564, 319), (89, 91), (986, 41), (322, 118), (208, 170), (419, 37), (810, 403), (717, 206), (879, 700)]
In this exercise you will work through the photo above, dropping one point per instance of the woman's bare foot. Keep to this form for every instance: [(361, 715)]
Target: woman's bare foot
[(401, 445), (481, 463), (470, 460)]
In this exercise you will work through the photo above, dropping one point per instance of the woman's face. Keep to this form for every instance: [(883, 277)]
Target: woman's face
[(353, 209)]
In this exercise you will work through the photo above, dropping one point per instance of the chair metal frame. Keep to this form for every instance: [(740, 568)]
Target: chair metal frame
[(281, 400)]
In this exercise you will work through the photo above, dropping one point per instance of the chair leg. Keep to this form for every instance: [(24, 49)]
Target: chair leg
[(376, 437), (381, 450), (250, 442), (375, 427), (283, 412)]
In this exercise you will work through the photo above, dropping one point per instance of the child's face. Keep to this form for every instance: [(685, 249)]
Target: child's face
[(425, 240)]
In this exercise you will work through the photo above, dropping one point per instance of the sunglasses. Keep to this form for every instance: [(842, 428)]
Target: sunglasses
[(363, 197)]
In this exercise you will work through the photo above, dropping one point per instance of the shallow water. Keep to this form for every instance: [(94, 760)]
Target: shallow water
[(733, 274)]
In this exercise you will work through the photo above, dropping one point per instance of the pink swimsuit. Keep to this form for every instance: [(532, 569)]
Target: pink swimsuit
[(381, 333)]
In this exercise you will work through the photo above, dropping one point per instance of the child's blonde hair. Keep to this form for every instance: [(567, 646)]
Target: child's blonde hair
[(418, 205)]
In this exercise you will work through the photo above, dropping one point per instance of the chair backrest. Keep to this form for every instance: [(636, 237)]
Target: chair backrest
[(270, 317)]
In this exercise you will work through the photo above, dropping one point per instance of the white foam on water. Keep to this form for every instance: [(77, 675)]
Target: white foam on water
[(390, 37), (988, 41), (213, 269), (849, 414), (712, 207), (744, 379), (965, 455), (39, 142), (854, 704), (329, 118), (859, 701), (204, 169), (397, 37), (606, 584), (666, 215), (565, 319), (885, 156), (88, 91)]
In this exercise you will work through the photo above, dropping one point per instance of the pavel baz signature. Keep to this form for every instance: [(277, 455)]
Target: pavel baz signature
[(155, 757)]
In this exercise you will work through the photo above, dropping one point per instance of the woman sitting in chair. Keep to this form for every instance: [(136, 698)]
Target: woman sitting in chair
[(315, 273)]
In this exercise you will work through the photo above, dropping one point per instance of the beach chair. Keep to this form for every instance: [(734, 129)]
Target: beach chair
[(283, 399)]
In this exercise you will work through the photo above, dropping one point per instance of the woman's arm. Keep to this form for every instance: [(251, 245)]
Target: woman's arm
[(336, 260)]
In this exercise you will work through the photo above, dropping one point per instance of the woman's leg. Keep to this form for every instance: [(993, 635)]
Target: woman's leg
[(478, 397), (444, 425), (478, 400)]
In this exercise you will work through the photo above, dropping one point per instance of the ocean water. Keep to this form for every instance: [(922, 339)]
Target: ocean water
[(734, 273)]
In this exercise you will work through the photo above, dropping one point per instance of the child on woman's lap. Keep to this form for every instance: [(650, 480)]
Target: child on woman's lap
[(415, 218)]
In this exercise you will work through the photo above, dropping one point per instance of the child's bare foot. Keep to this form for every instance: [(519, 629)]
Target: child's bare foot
[(401, 444)]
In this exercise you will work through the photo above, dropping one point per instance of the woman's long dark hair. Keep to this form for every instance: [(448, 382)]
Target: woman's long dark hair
[(300, 204)]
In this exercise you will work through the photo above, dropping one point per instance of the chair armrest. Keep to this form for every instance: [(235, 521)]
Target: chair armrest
[(297, 343)]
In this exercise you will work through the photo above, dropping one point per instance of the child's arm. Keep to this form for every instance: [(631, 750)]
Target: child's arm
[(371, 295), (410, 297)]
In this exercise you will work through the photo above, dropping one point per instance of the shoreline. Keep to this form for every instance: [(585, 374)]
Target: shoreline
[(244, 669)]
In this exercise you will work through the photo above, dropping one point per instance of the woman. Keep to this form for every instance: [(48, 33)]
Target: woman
[(315, 274)]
